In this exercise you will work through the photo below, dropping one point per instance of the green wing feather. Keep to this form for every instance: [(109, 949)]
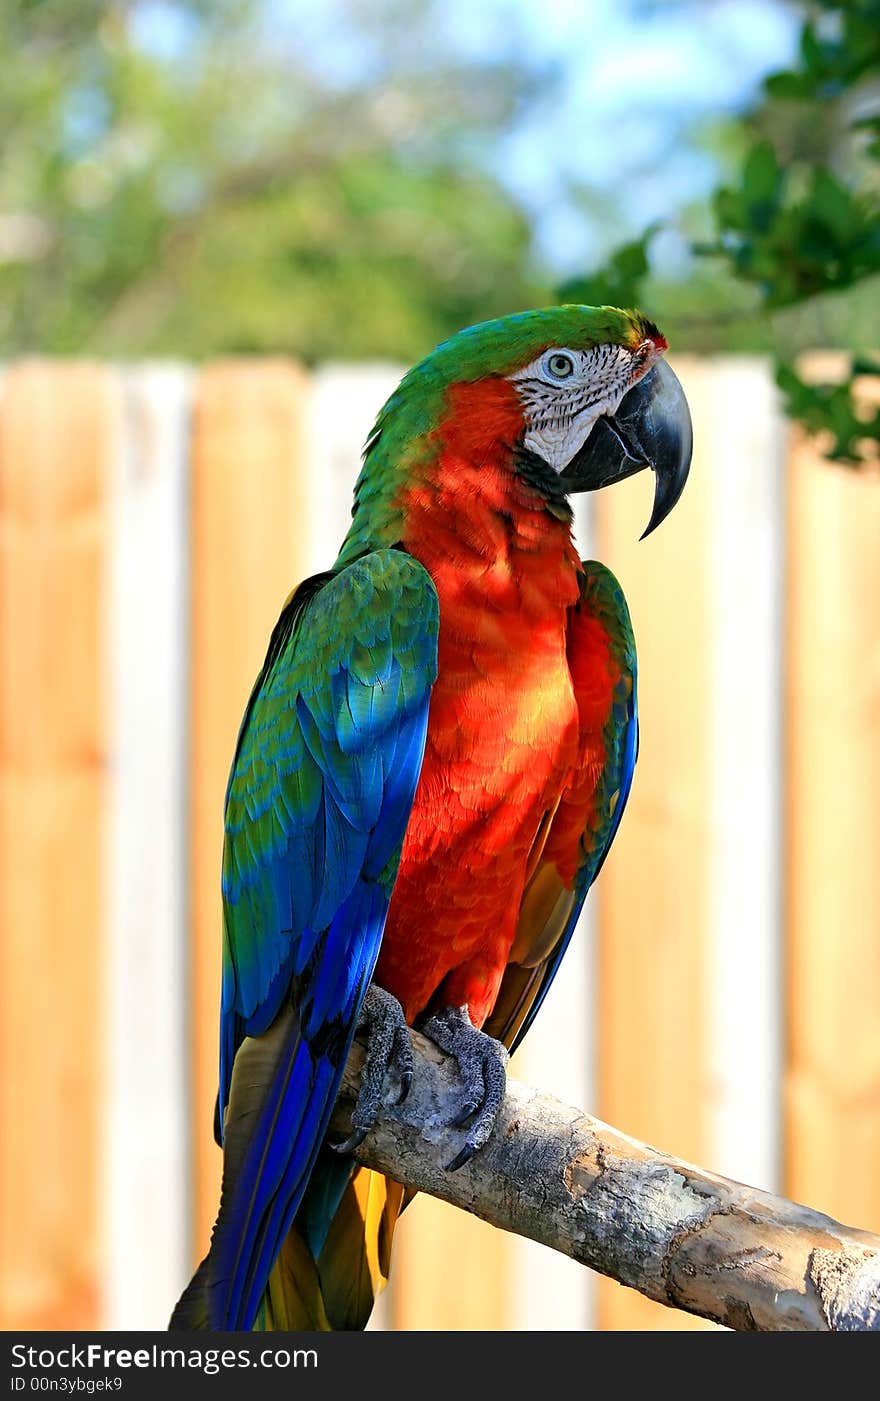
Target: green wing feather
[(322, 784)]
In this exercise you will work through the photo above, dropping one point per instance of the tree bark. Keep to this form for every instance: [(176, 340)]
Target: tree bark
[(677, 1233)]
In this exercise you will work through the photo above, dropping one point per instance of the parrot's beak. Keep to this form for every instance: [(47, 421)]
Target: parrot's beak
[(651, 428)]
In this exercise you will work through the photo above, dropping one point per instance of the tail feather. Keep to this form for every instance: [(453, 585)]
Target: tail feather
[(278, 1216), (281, 1097), (191, 1311), (356, 1259), (293, 1301), (303, 1238), (336, 1291)]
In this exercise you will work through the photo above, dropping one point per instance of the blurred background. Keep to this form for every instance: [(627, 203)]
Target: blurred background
[(225, 228)]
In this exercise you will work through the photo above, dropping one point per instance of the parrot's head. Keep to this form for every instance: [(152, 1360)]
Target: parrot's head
[(590, 398), (600, 403)]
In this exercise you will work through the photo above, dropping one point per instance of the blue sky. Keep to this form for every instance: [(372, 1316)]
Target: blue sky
[(633, 81), (636, 82)]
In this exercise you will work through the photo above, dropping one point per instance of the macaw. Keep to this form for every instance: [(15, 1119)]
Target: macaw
[(430, 771)]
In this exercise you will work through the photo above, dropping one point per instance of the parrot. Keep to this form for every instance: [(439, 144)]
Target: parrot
[(431, 768)]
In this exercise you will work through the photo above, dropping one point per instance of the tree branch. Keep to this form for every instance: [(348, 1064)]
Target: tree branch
[(677, 1233)]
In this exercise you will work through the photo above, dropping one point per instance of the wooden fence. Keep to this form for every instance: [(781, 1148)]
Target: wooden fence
[(722, 999)]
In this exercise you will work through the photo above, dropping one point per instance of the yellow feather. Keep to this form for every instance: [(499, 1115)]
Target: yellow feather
[(293, 1301), (543, 916), (354, 1263)]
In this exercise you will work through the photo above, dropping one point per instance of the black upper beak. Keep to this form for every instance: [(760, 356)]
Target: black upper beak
[(651, 428)]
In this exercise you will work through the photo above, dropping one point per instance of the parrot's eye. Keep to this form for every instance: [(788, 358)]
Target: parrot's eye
[(559, 365)]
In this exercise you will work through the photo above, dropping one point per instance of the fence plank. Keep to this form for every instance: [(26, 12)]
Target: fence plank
[(653, 893), (747, 450), (344, 402), (451, 1272), (146, 1169), (56, 433), (249, 493), (832, 1121)]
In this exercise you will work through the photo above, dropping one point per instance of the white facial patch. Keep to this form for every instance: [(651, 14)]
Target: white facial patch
[(564, 391)]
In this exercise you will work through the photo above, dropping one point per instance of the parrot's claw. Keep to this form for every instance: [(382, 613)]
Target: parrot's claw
[(461, 1158), (349, 1144), (388, 1048), (482, 1062)]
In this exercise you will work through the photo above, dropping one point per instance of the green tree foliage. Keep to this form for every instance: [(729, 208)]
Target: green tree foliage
[(800, 228), (178, 179)]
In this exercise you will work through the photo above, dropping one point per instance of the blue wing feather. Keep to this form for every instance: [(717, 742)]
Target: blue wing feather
[(321, 789)]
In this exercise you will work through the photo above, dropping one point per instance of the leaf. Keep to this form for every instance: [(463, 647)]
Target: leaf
[(762, 176), (789, 87), (835, 205), (862, 365), (831, 409), (811, 50)]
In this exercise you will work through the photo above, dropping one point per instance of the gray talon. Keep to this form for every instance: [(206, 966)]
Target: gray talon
[(388, 1048), (467, 1113), (349, 1144), (461, 1158), (482, 1062)]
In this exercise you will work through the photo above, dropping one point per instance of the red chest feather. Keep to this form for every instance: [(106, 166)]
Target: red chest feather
[(503, 726)]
